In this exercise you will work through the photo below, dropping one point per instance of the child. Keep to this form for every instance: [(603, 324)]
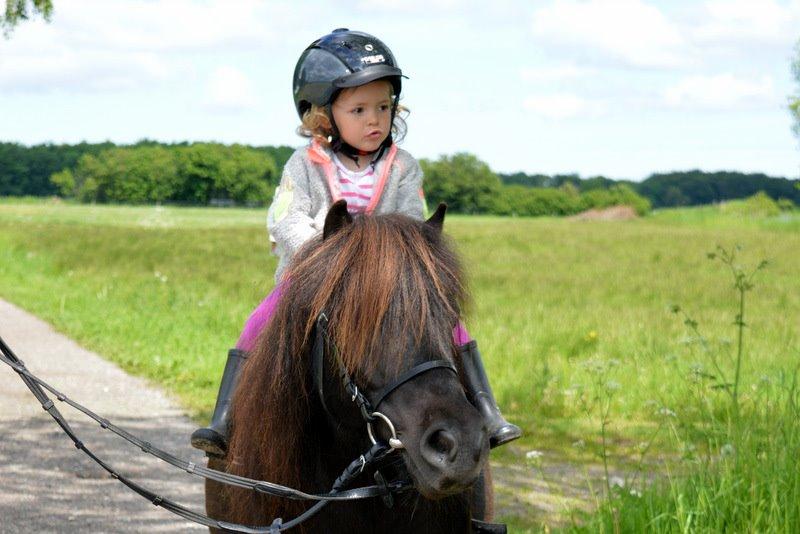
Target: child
[(346, 91)]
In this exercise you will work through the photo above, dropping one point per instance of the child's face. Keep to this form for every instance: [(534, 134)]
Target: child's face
[(363, 114)]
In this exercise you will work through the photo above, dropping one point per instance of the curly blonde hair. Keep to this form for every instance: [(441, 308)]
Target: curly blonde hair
[(316, 124)]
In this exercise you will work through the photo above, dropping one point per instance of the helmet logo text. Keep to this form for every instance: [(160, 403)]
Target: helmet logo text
[(377, 58)]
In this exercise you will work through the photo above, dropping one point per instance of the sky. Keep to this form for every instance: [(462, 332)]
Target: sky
[(621, 88)]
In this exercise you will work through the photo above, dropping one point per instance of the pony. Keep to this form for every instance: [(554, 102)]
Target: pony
[(392, 289)]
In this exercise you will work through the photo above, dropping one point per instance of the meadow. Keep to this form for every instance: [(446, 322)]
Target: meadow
[(614, 344)]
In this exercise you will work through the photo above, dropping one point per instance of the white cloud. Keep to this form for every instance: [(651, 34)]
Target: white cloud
[(561, 106), (174, 26), (721, 92), (555, 74), (89, 71), (749, 21), (408, 6), (629, 32), (230, 90), (96, 45)]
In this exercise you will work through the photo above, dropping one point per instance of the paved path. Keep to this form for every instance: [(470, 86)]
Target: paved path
[(46, 484)]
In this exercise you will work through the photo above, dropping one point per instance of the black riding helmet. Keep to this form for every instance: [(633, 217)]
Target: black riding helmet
[(342, 59)]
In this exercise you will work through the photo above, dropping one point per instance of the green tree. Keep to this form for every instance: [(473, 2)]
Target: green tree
[(211, 171), (65, 181), (135, 175), (20, 10), (463, 181)]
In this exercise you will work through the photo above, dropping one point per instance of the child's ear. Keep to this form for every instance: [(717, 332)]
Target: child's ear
[(437, 219), (337, 218)]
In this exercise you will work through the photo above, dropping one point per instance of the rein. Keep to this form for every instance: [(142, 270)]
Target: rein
[(375, 453)]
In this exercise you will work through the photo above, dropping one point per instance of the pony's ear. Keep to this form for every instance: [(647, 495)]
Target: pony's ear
[(437, 219), (337, 218)]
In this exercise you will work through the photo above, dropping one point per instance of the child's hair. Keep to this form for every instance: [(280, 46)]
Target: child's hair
[(317, 125)]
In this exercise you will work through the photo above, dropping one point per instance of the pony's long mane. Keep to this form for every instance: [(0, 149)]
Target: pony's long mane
[(379, 279)]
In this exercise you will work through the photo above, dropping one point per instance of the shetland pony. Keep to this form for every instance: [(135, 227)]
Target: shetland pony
[(393, 290)]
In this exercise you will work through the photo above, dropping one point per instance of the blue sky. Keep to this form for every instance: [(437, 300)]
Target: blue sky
[(620, 88)]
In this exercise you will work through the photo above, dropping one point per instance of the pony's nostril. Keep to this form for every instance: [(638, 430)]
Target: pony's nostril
[(444, 443)]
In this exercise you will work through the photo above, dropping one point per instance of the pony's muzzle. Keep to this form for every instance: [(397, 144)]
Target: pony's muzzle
[(448, 453)]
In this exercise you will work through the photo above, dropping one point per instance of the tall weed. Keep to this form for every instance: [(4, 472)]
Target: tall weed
[(735, 466)]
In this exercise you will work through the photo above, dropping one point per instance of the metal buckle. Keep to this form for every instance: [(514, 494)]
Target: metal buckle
[(394, 443)]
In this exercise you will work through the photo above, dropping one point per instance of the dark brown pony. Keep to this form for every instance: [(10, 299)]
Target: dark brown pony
[(393, 291)]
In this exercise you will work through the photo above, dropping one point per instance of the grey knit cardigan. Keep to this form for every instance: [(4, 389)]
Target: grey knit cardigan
[(310, 185)]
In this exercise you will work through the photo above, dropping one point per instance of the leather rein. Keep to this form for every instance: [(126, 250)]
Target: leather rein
[(373, 455)]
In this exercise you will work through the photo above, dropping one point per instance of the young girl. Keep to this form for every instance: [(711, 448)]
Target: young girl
[(346, 91)]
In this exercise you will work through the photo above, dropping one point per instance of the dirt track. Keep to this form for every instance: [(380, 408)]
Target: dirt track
[(46, 484)]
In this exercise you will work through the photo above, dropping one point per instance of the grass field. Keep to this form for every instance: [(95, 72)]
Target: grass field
[(574, 319)]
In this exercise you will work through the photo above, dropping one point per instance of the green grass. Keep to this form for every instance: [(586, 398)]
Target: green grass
[(165, 291), (161, 291)]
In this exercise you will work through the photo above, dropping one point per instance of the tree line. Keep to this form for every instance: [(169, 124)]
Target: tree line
[(208, 173), (147, 172), (673, 189)]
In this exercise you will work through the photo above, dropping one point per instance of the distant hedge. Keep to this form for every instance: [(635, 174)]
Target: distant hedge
[(684, 188), (203, 173), (468, 185)]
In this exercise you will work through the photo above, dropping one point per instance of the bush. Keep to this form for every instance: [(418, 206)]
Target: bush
[(566, 200), (535, 201), (617, 195), (786, 204), (758, 205), (463, 181), (197, 174)]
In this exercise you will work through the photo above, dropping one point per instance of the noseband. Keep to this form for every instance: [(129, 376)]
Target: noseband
[(367, 407)]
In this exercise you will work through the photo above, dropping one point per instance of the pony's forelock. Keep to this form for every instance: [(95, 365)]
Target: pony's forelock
[(381, 278)]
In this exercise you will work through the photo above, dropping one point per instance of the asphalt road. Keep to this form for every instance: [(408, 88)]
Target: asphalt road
[(46, 484)]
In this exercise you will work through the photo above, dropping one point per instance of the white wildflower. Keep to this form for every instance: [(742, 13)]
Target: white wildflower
[(616, 482), (727, 450), (533, 455)]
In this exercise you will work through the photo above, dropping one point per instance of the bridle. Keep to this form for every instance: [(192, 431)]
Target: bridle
[(374, 455), (367, 407)]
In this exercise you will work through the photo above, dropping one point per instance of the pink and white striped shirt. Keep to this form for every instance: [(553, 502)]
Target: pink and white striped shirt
[(357, 187)]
